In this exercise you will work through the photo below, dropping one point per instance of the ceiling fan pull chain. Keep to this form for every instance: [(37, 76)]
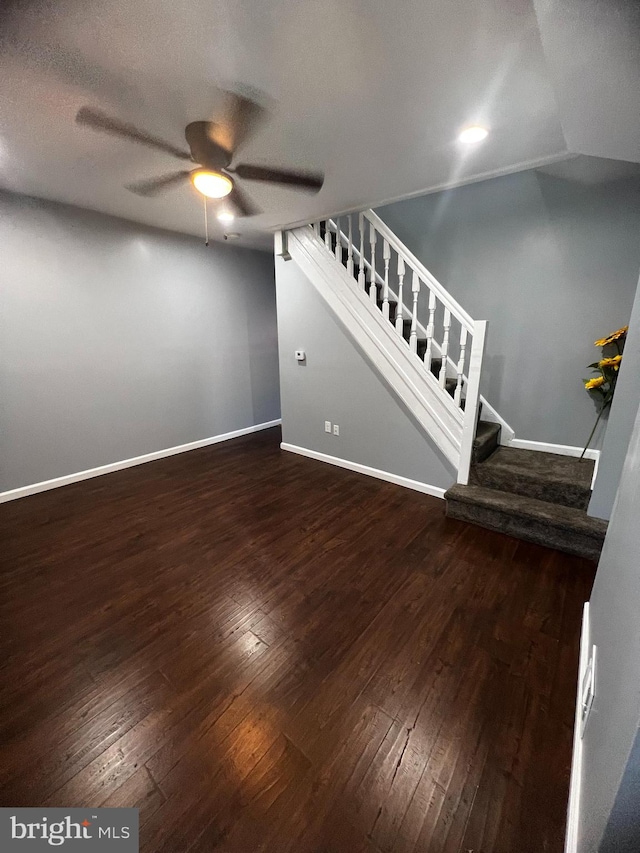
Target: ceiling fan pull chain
[(206, 222)]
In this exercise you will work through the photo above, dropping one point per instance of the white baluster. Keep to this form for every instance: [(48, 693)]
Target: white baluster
[(373, 285), (350, 248), (457, 396), (316, 228), (338, 243), (361, 273), (327, 235), (430, 328), (386, 254), (445, 347), (413, 337), (400, 311)]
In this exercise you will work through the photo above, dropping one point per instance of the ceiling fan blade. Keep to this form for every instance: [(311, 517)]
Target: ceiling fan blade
[(154, 186), (243, 204), (204, 149), (241, 118), (301, 180), (97, 120)]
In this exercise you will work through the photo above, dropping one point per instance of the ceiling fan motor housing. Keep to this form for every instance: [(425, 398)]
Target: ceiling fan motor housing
[(205, 151)]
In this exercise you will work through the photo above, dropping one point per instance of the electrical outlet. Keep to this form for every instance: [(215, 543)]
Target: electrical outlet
[(336, 429), (327, 426)]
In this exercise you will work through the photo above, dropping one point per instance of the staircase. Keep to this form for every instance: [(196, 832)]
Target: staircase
[(429, 350), (539, 497)]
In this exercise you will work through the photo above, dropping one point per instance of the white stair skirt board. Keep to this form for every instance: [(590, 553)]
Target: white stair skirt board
[(560, 449), (573, 809), (425, 488), (33, 489)]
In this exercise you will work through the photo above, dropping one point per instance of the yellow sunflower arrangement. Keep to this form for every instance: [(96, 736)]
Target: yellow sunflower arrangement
[(602, 386), (614, 336), (613, 362)]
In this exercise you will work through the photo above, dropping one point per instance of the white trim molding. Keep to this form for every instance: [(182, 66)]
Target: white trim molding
[(521, 166), (425, 488), (44, 486), (573, 809), (560, 449)]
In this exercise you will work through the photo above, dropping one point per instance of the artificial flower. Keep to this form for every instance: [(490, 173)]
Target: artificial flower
[(614, 336), (596, 382), (613, 362)]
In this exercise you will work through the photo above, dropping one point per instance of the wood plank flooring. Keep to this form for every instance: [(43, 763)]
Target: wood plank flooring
[(265, 653)]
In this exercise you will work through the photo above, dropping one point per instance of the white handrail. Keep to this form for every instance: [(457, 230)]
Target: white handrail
[(447, 300)]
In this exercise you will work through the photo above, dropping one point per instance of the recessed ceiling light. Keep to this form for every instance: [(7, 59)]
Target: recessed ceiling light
[(211, 184), (225, 216), (473, 134)]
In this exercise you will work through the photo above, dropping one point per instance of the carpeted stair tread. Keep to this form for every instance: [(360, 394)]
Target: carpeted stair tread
[(565, 528), (563, 480), (486, 441)]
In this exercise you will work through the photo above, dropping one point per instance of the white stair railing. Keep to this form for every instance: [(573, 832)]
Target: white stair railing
[(436, 329)]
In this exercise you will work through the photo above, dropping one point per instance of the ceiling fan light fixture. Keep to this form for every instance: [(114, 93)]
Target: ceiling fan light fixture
[(211, 184)]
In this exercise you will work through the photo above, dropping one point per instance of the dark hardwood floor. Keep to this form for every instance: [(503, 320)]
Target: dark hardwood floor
[(265, 653)]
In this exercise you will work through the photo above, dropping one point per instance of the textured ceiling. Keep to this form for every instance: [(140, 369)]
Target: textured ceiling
[(372, 92)]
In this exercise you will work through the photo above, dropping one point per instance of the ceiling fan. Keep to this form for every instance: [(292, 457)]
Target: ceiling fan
[(212, 147)]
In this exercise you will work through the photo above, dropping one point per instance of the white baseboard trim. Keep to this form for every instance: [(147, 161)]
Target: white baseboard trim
[(573, 808), (425, 488), (33, 489), (560, 449)]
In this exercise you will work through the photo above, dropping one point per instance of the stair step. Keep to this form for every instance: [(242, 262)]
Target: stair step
[(563, 480), (564, 528), (486, 441)]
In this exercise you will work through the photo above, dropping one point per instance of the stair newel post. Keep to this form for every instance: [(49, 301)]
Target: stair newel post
[(442, 377), (350, 247), (338, 243), (373, 285), (430, 328), (361, 271), (386, 254), (472, 400), (457, 396), (327, 235), (400, 310), (415, 289)]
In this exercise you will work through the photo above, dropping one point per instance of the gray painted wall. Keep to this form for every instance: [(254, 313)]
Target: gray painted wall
[(611, 766), (336, 383), (552, 264), (621, 418), (118, 340)]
